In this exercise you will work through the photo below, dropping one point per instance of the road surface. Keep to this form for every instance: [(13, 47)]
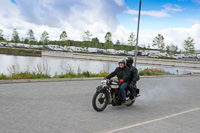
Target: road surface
[(166, 105)]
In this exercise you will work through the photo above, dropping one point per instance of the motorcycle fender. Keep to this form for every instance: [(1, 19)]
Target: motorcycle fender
[(99, 88)]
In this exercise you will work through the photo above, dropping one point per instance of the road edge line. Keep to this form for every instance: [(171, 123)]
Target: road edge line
[(151, 121)]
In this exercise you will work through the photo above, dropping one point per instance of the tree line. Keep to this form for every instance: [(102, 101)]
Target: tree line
[(88, 41)]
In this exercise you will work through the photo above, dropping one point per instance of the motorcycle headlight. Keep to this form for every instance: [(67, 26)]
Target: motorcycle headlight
[(103, 82)]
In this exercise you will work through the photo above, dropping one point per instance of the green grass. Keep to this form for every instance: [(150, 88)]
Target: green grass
[(85, 74), (25, 75), (28, 75), (3, 41), (18, 51)]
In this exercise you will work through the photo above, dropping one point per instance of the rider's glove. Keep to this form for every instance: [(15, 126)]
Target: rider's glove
[(121, 80)]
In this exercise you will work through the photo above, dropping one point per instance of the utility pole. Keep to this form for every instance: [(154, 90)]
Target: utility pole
[(136, 46)]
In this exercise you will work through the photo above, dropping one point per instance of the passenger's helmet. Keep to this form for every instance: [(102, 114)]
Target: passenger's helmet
[(122, 61), (129, 60)]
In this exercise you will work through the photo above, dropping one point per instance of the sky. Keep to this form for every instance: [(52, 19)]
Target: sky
[(174, 19)]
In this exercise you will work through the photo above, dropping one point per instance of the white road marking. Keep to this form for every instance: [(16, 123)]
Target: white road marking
[(151, 121)]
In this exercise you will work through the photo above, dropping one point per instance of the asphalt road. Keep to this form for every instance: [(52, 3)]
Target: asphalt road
[(166, 105)]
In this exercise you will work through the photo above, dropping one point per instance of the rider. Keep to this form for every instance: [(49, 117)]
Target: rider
[(123, 75), (133, 76)]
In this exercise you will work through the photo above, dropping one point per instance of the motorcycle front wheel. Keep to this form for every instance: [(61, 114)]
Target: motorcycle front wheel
[(100, 100)]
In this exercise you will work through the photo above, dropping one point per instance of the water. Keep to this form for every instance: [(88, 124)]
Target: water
[(62, 65)]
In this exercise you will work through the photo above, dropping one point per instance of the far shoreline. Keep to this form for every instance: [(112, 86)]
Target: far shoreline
[(111, 58)]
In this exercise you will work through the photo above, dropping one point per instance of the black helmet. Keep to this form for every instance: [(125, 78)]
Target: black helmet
[(122, 61), (129, 60)]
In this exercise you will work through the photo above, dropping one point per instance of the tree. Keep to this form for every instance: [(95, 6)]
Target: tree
[(172, 49), (22, 40), (95, 42), (118, 42), (26, 41), (63, 36), (189, 45), (15, 36), (131, 39), (148, 47), (45, 38), (144, 47), (108, 45), (30, 37), (159, 42), (87, 36), (1, 34), (108, 36)]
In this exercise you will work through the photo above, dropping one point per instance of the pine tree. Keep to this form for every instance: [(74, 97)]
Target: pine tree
[(131, 39), (159, 42), (30, 37), (45, 38), (63, 36), (87, 36), (15, 36)]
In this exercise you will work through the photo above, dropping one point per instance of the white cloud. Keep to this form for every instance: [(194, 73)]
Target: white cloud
[(120, 2), (11, 19), (196, 1), (158, 14), (169, 8), (194, 21), (135, 19), (54, 16), (178, 35), (75, 17), (174, 35)]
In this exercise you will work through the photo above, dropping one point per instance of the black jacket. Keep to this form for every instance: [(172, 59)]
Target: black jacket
[(133, 74), (122, 73)]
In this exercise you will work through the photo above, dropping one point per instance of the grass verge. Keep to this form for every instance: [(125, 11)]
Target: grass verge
[(17, 51), (86, 74)]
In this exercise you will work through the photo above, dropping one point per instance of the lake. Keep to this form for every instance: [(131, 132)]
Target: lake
[(62, 65)]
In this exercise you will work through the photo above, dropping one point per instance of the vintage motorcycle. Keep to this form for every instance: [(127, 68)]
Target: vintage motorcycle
[(109, 93)]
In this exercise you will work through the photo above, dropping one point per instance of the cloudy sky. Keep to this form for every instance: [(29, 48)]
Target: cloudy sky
[(176, 20)]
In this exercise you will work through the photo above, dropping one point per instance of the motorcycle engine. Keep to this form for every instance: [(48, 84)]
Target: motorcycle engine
[(116, 98)]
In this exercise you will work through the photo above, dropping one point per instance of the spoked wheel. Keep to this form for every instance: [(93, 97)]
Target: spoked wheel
[(130, 102), (100, 101)]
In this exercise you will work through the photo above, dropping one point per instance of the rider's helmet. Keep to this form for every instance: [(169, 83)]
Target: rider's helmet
[(122, 61), (129, 60)]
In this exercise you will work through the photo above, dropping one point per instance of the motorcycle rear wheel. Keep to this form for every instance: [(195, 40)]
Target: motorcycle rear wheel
[(101, 99), (131, 103)]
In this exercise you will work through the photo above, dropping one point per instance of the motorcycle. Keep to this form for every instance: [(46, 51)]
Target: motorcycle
[(109, 93)]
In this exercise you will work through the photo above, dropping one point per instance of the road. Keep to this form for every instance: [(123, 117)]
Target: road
[(166, 105)]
